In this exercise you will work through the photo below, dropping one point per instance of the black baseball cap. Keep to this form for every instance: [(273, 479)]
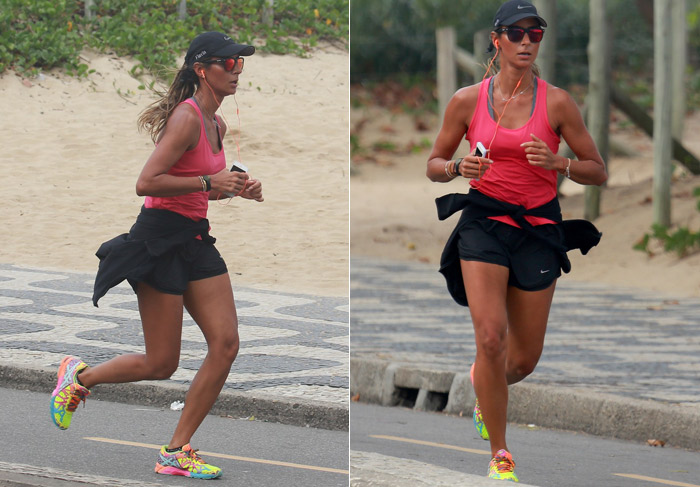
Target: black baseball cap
[(514, 10), (215, 44)]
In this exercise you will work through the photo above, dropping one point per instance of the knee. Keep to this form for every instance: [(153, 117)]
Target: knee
[(226, 347), (492, 343), (520, 367), (162, 369)]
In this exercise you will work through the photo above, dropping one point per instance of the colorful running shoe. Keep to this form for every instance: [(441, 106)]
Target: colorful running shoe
[(185, 462), (68, 393), (477, 416), (502, 467)]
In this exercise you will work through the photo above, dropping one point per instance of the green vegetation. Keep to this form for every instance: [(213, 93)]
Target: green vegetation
[(393, 37), (681, 240), (44, 34)]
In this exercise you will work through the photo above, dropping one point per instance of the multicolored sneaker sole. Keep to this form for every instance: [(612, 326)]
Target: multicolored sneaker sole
[(68, 392), (186, 463), (502, 467)]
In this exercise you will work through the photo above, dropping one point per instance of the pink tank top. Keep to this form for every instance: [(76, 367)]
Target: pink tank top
[(511, 178), (200, 161)]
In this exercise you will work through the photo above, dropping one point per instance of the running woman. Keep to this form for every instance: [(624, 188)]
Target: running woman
[(168, 256), (509, 247)]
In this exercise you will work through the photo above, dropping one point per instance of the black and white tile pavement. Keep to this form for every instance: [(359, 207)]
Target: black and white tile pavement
[(293, 346), (629, 343)]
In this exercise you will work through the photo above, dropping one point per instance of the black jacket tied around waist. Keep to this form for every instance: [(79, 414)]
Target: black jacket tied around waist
[(577, 234)]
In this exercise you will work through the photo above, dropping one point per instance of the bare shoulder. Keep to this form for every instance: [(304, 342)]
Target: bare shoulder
[(183, 124), (559, 98), (562, 109), (185, 114), (461, 107), (467, 96)]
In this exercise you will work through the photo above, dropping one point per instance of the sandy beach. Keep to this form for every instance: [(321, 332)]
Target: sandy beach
[(72, 154), (393, 212)]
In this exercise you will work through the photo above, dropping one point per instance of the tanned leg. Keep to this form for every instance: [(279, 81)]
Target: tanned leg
[(210, 303)]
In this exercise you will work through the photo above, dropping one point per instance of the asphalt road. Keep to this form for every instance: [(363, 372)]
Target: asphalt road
[(116, 444), (543, 457)]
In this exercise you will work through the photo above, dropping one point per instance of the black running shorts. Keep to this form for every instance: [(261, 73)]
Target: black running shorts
[(176, 268), (533, 264)]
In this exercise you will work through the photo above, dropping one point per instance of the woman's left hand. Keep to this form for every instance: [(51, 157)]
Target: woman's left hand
[(253, 191), (539, 154)]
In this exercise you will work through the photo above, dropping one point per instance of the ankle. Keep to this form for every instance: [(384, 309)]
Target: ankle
[(80, 378)]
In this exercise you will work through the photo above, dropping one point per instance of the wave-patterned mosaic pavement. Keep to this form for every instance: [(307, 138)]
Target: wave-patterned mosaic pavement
[(600, 338), (292, 345)]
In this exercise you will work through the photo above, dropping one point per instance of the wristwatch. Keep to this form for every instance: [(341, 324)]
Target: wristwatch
[(457, 162)]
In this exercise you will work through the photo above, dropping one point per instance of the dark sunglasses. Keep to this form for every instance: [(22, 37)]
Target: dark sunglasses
[(229, 63), (516, 34)]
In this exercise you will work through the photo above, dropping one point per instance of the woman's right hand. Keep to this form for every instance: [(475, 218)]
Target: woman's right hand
[(231, 182), (470, 167)]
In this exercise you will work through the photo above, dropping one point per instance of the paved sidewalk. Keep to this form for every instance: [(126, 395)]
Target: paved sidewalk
[(617, 362), (292, 366)]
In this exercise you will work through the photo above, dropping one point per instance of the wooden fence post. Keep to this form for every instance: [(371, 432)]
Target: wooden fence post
[(182, 10), (445, 40), (268, 13), (661, 187), (88, 9), (598, 99), (481, 44), (678, 66), (548, 48)]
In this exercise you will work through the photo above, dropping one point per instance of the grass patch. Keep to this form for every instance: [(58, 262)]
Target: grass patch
[(45, 34)]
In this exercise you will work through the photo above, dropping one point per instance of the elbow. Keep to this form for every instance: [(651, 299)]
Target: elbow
[(429, 174), (141, 189)]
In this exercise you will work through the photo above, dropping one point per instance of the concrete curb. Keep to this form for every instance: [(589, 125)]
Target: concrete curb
[(289, 411), (392, 384)]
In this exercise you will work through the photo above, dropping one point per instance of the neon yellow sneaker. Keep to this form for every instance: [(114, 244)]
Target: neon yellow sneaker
[(185, 462), (502, 467), (68, 392), (477, 416)]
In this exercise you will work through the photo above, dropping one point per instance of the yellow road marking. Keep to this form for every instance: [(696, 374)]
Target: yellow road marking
[(229, 457), (430, 443), (658, 481)]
